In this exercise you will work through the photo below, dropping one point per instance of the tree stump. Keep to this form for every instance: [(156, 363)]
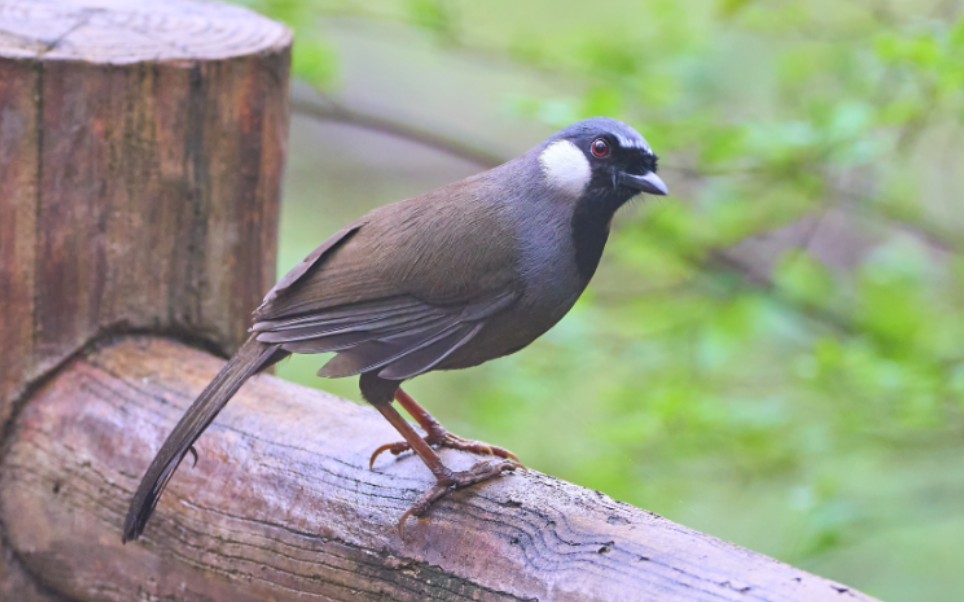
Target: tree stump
[(141, 154)]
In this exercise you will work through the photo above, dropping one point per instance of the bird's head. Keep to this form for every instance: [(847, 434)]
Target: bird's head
[(600, 159)]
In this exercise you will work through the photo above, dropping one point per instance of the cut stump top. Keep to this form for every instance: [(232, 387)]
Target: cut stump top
[(131, 31)]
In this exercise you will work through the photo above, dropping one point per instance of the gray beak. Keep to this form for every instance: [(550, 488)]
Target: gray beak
[(650, 183)]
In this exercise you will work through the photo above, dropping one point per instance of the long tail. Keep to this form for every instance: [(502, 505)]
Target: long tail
[(250, 358)]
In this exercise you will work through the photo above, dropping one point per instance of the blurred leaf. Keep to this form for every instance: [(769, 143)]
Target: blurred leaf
[(434, 15), (315, 62), (729, 8), (804, 278)]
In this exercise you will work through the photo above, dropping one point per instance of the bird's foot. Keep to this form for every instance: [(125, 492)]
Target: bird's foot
[(483, 471), (439, 437)]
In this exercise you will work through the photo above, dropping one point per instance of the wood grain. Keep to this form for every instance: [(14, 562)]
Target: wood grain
[(19, 187), (141, 155), (282, 506), (127, 31)]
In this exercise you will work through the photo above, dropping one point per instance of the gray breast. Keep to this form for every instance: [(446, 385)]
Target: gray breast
[(547, 273)]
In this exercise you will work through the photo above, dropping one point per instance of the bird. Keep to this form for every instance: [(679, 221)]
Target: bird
[(472, 271)]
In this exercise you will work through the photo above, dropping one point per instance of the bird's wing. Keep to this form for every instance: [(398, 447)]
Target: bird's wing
[(299, 271), (399, 291), (399, 337)]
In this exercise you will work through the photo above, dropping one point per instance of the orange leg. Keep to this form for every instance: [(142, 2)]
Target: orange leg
[(436, 435), (447, 480)]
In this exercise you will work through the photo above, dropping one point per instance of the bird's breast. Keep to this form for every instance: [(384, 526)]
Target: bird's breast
[(548, 276), (549, 272)]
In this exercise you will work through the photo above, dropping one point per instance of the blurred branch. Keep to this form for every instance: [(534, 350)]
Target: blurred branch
[(728, 261), (928, 233), (326, 109)]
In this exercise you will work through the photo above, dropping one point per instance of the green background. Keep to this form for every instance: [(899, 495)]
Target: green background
[(775, 354)]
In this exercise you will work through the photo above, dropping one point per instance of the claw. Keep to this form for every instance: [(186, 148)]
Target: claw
[(483, 471), (193, 452), (396, 448)]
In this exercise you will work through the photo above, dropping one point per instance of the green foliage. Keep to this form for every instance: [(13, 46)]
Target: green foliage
[(312, 60), (821, 392)]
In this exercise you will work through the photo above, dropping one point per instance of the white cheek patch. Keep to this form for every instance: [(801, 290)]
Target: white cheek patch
[(565, 167)]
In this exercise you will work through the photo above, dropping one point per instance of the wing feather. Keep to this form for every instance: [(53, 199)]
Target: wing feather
[(400, 290), (373, 355), (382, 319), (424, 359), (400, 337)]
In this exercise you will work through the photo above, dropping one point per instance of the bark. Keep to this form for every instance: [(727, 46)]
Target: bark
[(141, 152), (282, 506)]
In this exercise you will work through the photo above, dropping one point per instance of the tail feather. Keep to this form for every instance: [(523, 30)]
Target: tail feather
[(250, 358)]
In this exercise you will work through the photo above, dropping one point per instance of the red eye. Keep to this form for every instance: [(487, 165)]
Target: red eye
[(600, 148)]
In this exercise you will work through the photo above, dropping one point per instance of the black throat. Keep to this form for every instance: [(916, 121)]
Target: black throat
[(590, 230), (590, 222)]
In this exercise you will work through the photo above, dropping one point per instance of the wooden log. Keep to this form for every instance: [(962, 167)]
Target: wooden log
[(281, 505), (141, 150)]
